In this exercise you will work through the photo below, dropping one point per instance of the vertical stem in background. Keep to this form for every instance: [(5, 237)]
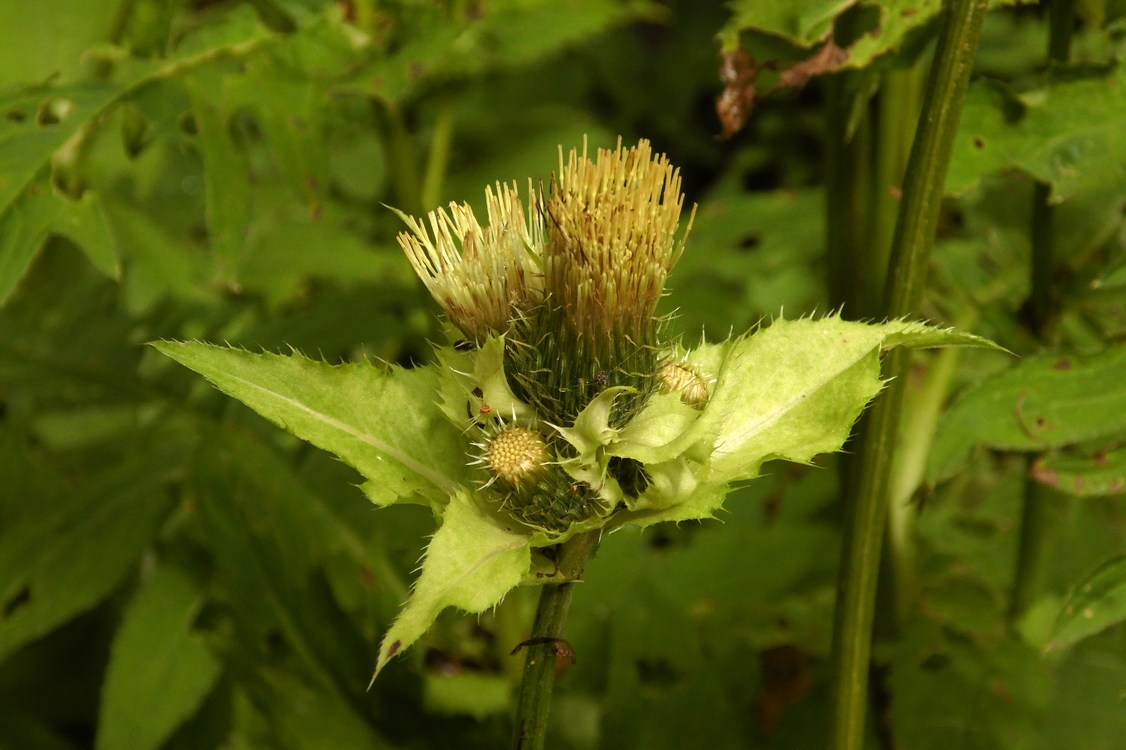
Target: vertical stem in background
[(897, 112), (439, 157), (534, 698), (1035, 524), (847, 159), (398, 150), (914, 235)]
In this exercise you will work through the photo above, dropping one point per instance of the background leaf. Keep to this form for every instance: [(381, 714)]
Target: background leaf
[(116, 464), (159, 671), (1097, 603), (1043, 402), (1064, 134)]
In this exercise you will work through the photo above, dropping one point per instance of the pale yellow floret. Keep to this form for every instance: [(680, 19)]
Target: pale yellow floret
[(480, 275), (516, 457), (611, 242)]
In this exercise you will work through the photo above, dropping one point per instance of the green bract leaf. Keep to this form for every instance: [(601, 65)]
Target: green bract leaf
[(471, 564), (380, 420), (789, 391), (793, 390), (483, 369), (1043, 402), (1095, 604)]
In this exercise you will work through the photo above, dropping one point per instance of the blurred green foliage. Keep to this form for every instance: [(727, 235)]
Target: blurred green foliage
[(177, 573)]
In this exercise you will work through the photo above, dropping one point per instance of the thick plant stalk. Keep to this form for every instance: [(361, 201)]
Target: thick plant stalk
[(534, 699), (1037, 515), (914, 236)]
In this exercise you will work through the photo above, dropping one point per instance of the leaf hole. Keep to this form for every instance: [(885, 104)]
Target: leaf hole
[(749, 242), (658, 672), (53, 111), (16, 602)]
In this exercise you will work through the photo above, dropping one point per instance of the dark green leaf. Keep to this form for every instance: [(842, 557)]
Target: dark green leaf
[(76, 547), (1067, 135)]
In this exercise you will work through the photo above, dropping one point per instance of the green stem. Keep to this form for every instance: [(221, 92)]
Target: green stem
[(398, 148), (1035, 527), (1040, 299), (846, 178), (914, 235), (439, 157), (534, 699), (1036, 523), (1060, 14), (916, 433), (897, 112)]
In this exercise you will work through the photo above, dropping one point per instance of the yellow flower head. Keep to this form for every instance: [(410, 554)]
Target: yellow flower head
[(481, 276), (611, 240)]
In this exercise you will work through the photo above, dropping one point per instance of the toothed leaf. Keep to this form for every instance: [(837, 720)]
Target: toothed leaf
[(471, 564), (382, 420)]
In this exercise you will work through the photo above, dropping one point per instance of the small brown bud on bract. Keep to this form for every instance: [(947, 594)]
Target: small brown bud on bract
[(677, 377)]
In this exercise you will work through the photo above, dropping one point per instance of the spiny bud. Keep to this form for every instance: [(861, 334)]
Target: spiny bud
[(676, 377), (481, 276), (516, 457)]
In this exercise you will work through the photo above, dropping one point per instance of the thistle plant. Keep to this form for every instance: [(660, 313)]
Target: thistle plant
[(563, 410)]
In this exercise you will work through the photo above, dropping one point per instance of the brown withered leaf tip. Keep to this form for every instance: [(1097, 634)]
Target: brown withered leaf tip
[(737, 71), (828, 59)]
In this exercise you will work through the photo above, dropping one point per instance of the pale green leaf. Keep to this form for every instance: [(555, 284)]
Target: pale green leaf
[(675, 494), (473, 383), (380, 420), (1043, 402), (159, 671), (1095, 605), (794, 389), (471, 563)]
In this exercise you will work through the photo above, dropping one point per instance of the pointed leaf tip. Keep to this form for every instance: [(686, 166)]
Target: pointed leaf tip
[(471, 564)]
